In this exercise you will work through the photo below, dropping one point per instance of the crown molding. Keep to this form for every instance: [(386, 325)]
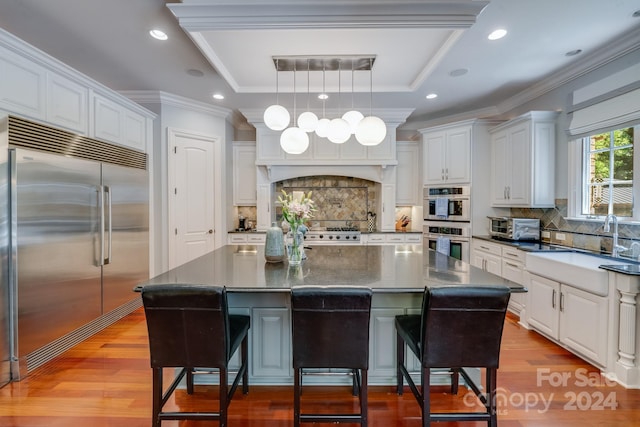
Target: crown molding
[(165, 98), (199, 15)]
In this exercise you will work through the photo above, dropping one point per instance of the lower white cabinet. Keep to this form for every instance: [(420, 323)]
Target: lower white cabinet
[(392, 238), (248, 238), (512, 269), (487, 256), (382, 343), (576, 319)]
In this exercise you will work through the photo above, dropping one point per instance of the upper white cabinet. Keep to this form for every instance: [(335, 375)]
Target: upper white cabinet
[(37, 86), (447, 155), (409, 186), (523, 161), (244, 174), (114, 122)]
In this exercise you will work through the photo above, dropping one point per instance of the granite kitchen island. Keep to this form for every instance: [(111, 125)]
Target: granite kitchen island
[(396, 274)]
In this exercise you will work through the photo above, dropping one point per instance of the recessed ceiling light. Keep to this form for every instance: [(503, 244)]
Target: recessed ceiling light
[(573, 52), (218, 96), (636, 14), (497, 34), (158, 34), (323, 96), (195, 73), (459, 72), (432, 96)]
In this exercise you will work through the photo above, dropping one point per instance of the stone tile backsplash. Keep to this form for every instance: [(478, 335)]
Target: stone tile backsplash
[(587, 235), (340, 201)]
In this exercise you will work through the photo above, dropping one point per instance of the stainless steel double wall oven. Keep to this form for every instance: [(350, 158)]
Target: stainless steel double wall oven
[(447, 215)]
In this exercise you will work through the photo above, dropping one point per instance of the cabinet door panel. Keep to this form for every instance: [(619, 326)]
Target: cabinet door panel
[(458, 161), (498, 169), (271, 343), (583, 323), (519, 165), (543, 305), (382, 339), (22, 86), (67, 104), (434, 146)]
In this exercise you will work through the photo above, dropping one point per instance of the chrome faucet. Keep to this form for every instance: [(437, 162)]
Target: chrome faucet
[(616, 249)]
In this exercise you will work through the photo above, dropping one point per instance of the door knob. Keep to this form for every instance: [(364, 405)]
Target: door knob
[(210, 231)]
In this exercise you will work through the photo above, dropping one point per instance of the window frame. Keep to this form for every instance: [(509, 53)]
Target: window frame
[(578, 177)]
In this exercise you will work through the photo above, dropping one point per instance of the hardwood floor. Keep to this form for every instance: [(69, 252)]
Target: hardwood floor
[(106, 381)]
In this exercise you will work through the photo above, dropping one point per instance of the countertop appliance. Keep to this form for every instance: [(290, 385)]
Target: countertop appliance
[(78, 235), (514, 228)]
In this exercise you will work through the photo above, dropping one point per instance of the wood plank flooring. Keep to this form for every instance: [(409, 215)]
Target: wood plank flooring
[(106, 381)]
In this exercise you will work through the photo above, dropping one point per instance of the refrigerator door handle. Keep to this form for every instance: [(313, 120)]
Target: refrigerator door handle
[(102, 220), (107, 191)]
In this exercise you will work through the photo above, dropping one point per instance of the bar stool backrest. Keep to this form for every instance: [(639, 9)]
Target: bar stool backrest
[(330, 327), (462, 326), (188, 325)]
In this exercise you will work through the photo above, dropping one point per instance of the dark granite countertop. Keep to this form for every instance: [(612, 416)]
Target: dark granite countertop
[(391, 269)]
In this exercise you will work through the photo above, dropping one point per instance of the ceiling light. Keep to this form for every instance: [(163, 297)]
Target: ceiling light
[(294, 140), (497, 34), (276, 117), (158, 34), (371, 130), (367, 132), (432, 96), (458, 72), (218, 96), (307, 121), (636, 14)]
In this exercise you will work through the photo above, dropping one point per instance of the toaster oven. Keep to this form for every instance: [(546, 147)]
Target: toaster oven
[(514, 228)]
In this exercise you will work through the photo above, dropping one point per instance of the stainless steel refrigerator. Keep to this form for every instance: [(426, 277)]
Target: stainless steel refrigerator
[(78, 232)]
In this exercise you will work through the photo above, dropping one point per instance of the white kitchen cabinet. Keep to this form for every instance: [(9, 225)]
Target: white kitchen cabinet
[(408, 191), (487, 256), (67, 103), (575, 318), (382, 339), (244, 174), (447, 155), (113, 122), (523, 161), (252, 238), (392, 238), (22, 86), (513, 269)]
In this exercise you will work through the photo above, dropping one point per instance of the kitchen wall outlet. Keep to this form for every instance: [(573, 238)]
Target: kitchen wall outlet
[(546, 234), (560, 236)]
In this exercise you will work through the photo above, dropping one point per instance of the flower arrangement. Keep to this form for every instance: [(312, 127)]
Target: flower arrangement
[(297, 208)]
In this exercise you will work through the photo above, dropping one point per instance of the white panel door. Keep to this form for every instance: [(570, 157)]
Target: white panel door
[(191, 196)]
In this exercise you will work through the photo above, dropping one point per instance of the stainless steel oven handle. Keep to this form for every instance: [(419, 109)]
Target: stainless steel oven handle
[(107, 191)]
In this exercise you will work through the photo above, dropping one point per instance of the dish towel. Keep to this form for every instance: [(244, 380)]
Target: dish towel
[(443, 244), (442, 207)]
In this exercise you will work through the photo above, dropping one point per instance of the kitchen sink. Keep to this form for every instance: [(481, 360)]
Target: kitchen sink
[(580, 270)]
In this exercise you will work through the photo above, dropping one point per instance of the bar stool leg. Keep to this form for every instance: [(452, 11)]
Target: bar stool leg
[(297, 385), (364, 400), (399, 362)]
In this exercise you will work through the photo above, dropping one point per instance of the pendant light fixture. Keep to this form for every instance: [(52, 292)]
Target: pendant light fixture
[(352, 116), (294, 140), (276, 117), (308, 121), (371, 130), (322, 129), (339, 131)]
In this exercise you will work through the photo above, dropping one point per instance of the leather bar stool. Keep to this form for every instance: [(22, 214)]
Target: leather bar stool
[(330, 329), (190, 328), (459, 327)]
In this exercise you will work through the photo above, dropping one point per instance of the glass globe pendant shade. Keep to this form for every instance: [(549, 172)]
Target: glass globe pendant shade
[(371, 131), (307, 121), (339, 131), (294, 140), (353, 117), (322, 129), (276, 117)]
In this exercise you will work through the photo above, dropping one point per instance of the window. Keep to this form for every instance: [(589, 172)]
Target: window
[(607, 184)]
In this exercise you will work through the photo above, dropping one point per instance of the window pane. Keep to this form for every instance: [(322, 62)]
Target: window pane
[(599, 142)]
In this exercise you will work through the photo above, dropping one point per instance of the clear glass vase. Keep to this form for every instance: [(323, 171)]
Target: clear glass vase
[(295, 248)]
